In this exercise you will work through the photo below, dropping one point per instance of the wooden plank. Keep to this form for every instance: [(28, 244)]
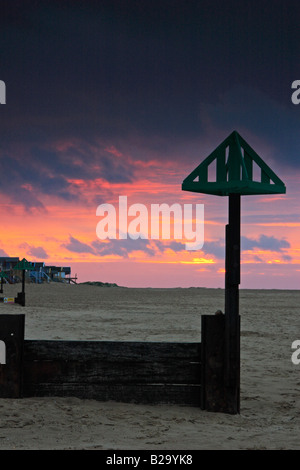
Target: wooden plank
[(141, 394), (124, 371), (85, 350), (111, 372)]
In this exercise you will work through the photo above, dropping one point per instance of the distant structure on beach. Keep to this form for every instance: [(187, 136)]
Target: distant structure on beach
[(40, 273)]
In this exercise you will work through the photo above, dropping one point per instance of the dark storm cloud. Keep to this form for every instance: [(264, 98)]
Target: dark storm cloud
[(278, 218), (216, 249), (82, 161), (77, 246), (35, 251), (36, 174), (111, 247), (255, 113), (38, 252), (99, 67), (42, 170), (264, 242), (117, 66), (124, 247), (3, 253), (121, 247), (162, 74)]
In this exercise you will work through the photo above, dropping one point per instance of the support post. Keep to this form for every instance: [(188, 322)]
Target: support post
[(232, 318), (213, 393), (20, 299), (23, 289), (11, 355), (234, 171)]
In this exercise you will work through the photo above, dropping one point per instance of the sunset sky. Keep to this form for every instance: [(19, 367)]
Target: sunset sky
[(125, 98)]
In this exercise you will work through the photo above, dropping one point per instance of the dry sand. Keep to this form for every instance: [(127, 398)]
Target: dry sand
[(270, 382)]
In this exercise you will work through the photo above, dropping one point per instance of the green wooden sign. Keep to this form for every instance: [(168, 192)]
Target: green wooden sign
[(233, 169), (23, 265), (234, 161)]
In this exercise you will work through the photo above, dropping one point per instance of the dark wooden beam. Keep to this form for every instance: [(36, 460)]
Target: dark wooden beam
[(135, 372)]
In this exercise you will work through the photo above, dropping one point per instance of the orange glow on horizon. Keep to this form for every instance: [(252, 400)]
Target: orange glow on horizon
[(64, 227), (199, 261)]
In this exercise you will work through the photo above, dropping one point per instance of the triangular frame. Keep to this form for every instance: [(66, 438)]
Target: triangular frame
[(234, 172), (23, 265)]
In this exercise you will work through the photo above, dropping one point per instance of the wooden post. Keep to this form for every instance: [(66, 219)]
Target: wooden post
[(11, 355), (23, 289), (20, 299), (234, 160), (213, 393), (232, 318)]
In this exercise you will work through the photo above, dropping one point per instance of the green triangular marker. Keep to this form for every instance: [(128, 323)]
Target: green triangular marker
[(23, 265), (234, 172)]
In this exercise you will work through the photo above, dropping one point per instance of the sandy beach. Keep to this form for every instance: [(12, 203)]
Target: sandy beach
[(270, 382)]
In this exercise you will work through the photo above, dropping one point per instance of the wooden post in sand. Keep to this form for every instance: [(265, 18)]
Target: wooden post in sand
[(2, 276), (11, 354), (23, 266), (220, 346), (232, 318)]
